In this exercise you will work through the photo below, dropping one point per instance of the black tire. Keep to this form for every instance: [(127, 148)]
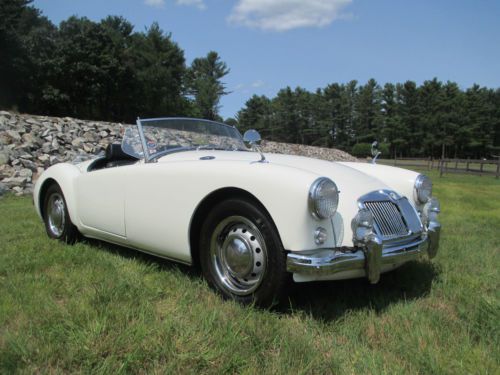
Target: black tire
[(56, 217), (254, 272)]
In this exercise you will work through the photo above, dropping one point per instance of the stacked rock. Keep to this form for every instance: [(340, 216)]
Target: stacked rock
[(29, 144)]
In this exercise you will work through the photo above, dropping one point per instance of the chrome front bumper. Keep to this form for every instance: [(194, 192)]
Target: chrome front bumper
[(371, 259)]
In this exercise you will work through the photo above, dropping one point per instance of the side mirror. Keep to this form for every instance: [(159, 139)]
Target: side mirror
[(251, 138), (374, 148), (375, 152)]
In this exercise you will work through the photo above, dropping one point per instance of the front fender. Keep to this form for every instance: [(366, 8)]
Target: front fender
[(64, 174), (283, 191), (163, 197)]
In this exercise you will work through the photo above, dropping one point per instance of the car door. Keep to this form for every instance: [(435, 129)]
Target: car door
[(101, 200), (158, 208)]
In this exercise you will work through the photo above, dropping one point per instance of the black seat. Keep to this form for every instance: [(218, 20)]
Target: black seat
[(115, 156), (114, 152)]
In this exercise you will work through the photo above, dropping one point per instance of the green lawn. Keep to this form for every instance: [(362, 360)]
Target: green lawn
[(488, 169), (96, 308)]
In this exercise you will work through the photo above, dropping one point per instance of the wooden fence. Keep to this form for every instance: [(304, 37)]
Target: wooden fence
[(468, 166)]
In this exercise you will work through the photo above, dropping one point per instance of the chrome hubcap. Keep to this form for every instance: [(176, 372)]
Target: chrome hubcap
[(239, 255), (55, 214)]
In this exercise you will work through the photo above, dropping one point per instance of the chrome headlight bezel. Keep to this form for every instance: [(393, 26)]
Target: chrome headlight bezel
[(422, 189), (317, 202)]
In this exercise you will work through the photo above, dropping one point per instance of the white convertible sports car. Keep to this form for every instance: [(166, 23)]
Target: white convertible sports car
[(197, 192)]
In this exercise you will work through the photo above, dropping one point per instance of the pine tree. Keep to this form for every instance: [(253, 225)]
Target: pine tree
[(368, 110), (203, 82)]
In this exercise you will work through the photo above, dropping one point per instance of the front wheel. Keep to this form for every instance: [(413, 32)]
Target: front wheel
[(56, 217), (241, 255)]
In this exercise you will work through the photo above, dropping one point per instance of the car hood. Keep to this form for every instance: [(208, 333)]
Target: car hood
[(348, 179), (353, 179)]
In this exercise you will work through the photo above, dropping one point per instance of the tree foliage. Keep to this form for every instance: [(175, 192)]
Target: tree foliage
[(433, 119), (107, 71), (100, 70), (203, 82)]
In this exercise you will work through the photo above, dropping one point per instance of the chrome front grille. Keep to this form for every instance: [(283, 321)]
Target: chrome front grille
[(388, 219)]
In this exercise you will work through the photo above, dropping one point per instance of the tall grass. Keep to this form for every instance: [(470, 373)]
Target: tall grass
[(98, 308)]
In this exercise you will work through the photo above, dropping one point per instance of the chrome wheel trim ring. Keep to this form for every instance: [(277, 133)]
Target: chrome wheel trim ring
[(238, 255), (56, 214)]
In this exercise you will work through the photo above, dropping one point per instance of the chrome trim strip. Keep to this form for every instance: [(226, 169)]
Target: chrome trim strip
[(373, 255), (434, 232), (375, 251), (331, 261), (187, 118), (390, 221), (143, 140)]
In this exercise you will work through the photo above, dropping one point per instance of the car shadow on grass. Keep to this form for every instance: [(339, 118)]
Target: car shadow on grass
[(161, 263), (331, 300), (326, 300)]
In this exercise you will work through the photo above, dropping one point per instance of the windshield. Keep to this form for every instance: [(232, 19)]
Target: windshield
[(166, 135)]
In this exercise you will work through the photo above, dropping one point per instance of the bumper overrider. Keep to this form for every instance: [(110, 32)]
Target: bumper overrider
[(370, 256)]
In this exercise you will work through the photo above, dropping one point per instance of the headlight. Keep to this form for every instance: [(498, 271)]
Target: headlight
[(422, 189), (323, 198)]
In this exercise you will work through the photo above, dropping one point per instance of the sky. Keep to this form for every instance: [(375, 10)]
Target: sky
[(271, 44)]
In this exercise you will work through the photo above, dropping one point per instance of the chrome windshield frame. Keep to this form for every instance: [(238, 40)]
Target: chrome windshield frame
[(151, 158), (143, 140)]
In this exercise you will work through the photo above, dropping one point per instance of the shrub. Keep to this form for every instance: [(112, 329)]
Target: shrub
[(362, 150), (384, 148)]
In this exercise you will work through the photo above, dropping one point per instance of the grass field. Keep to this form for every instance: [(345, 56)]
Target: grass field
[(96, 308), (471, 167)]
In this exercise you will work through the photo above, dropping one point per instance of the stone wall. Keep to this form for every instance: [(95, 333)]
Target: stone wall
[(29, 144), (330, 154)]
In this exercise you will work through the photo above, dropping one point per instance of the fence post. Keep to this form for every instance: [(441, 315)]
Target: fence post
[(395, 160), (429, 164), (441, 167), (498, 168), (481, 168), (456, 165), (467, 167)]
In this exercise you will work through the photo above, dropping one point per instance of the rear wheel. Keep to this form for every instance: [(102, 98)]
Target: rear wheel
[(56, 217), (241, 255)]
